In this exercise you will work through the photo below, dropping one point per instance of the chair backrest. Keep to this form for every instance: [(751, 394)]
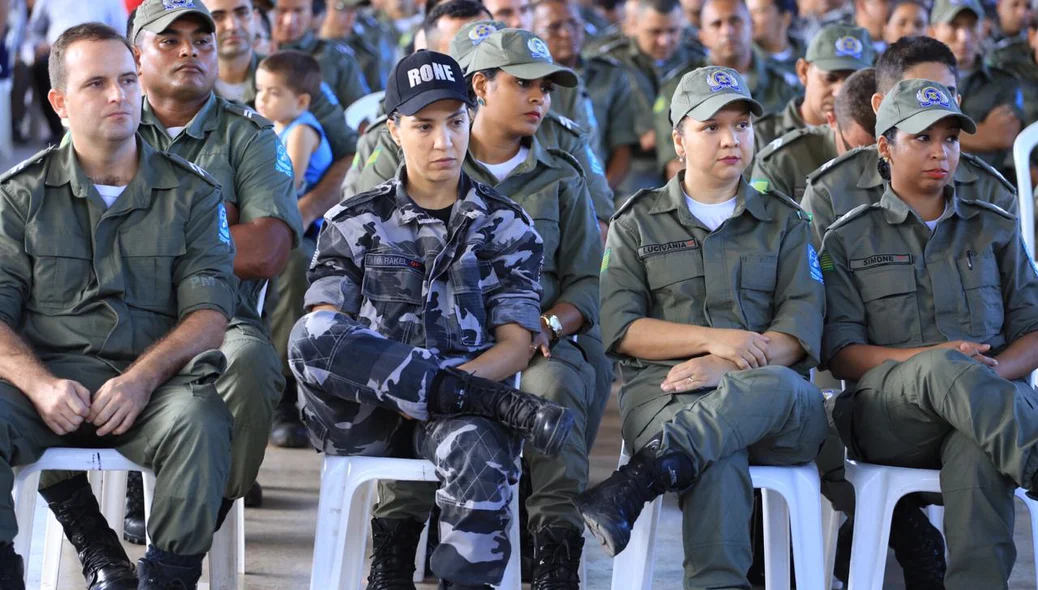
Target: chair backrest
[(364, 109), (1022, 148)]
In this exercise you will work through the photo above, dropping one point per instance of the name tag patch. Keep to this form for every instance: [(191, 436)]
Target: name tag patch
[(393, 261), (880, 260), (655, 249)]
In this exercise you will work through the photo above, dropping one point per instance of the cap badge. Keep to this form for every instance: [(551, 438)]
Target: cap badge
[(481, 32), (538, 49), (175, 4), (849, 46), (930, 96), (720, 79)]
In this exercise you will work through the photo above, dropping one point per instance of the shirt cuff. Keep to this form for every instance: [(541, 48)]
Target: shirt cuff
[(333, 290), (202, 292), (836, 337), (514, 310)]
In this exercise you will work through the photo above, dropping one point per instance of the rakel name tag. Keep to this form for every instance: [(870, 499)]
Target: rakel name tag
[(655, 249), (393, 261), (880, 260)]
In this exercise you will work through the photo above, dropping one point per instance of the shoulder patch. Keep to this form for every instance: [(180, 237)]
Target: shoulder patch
[(836, 162), (247, 113), (194, 168), (987, 168), (283, 163), (19, 168), (851, 215), (990, 207)]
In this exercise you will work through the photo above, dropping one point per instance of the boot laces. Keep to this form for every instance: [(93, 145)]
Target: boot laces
[(392, 564), (557, 566)]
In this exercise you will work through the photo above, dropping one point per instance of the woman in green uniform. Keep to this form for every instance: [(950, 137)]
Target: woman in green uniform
[(712, 298), (933, 320)]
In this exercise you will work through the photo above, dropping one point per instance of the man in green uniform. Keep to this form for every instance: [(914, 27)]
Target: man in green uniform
[(115, 292), (785, 163), (835, 53), (1020, 61), (727, 33), (772, 33), (932, 320), (237, 82), (853, 179), (340, 25), (1009, 34), (293, 29), (990, 96), (558, 22)]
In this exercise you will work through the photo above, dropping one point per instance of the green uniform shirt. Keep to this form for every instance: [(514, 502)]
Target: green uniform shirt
[(338, 67), (853, 179), (325, 107), (889, 282), (610, 88), (757, 271), (1023, 67), (767, 85), (776, 124), (378, 158), (240, 150), (549, 185), (784, 164), (369, 60), (575, 105), (982, 91), (787, 60), (82, 278)]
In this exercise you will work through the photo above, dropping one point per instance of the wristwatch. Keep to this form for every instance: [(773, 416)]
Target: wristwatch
[(555, 325)]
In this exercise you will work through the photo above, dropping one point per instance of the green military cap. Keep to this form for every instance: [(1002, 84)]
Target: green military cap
[(914, 105), (157, 15), (470, 35), (945, 11), (521, 54), (841, 47), (704, 91)]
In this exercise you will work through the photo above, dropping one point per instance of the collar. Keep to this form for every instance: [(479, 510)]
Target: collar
[(249, 97), (791, 117), (897, 211), (153, 172), (470, 203), (307, 43), (672, 198), (870, 177), (538, 154), (204, 121)]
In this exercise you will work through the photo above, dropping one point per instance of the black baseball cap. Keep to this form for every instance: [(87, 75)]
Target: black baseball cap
[(423, 78)]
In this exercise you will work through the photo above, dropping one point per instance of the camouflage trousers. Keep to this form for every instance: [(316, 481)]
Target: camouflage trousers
[(366, 395)]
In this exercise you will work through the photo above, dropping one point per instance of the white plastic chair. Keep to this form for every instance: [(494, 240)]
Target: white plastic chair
[(791, 494), (364, 109), (226, 558), (1022, 148)]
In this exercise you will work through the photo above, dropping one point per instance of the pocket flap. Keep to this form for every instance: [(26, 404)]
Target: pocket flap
[(886, 282), (673, 268), (38, 244), (758, 273)]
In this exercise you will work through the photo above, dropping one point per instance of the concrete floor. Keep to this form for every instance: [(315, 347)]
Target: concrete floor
[(279, 536)]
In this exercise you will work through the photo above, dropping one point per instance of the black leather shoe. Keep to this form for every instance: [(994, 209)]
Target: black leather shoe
[(557, 559), (105, 564), (12, 572), (287, 430), (160, 570), (394, 542), (610, 508), (544, 424), (919, 548), (254, 497), (133, 521)]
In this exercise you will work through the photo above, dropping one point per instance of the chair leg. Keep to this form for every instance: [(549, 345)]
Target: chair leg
[(1032, 510), (872, 513), (776, 540), (830, 529), (331, 522), (419, 554), (358, 512), (633, 568), (113, 499), (805, 510), (25, 495), (148, 479), (223, 556), (53, 541)]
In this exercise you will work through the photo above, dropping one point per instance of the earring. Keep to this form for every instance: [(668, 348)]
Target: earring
[(481, 102)]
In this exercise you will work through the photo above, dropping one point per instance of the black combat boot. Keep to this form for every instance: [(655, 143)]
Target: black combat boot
[(287, 430), (394, 543), (12, 572), (445, 585), (105, 564), (919, 548), (160, 570), (557, 559), (544, 424), (610, 508), (133, 521)]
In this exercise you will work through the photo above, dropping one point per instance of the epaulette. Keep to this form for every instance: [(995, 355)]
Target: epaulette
[(567, 123), (488, 192), (613, 45), (374, 125), (787, 201), (195, 168), (825, 168), (606, 59), (569, 159), (972, 159), (851, 215), (247, 113), (367, 196), (630, 201), (990, 207), (37, 157), (341, 47), (784, 140)]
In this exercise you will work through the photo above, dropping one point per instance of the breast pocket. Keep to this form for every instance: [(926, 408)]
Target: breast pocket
[(757, 291), (678, 286), (983, 290), (149, 263), (891, 309), (62, 269), (544, 209), (470, 283), (392, 285)]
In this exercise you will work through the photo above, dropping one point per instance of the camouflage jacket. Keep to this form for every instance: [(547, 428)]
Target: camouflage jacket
[(399, 271)]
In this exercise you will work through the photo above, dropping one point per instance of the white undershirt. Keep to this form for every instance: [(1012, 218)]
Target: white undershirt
[(933, 224), (174, 131), (712, 215), (235, 92), (109, 193), (502, 170)]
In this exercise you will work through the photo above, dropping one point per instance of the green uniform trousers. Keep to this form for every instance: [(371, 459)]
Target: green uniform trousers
[(567, 379), (942, 410), (183, 434), (767, 416), (591, 344), (251, 387), (286, 302)]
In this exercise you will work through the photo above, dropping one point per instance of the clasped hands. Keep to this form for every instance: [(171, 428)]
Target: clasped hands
[(727, 350), (65, 404)]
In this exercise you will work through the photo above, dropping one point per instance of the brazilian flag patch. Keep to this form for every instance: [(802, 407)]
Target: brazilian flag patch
[(660, 105), (826, 262), (760, 184), (605, 259), (373, 157)]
